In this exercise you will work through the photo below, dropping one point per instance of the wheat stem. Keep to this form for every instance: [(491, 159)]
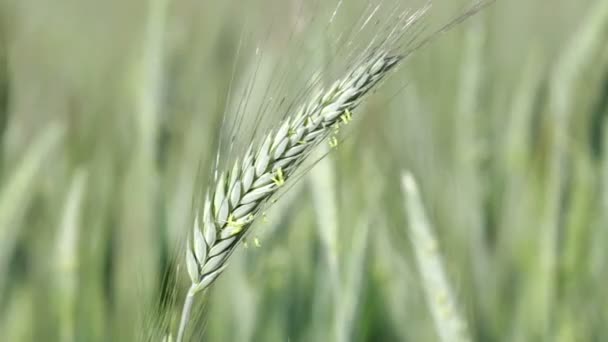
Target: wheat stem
[(186, 311)]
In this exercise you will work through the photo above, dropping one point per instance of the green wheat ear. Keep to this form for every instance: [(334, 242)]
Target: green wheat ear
[(449, 323), (235, 201)]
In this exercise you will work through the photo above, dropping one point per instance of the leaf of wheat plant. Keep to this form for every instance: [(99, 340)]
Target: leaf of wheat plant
[(234, 201)]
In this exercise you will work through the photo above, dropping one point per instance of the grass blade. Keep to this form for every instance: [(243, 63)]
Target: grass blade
[(17, 191), (67, 257)]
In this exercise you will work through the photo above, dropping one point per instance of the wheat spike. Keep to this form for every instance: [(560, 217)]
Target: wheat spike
[(239, 194), (450, 324), (235, 201)]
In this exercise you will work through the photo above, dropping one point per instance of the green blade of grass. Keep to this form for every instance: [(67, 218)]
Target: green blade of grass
[(67, 259), (18, 190)]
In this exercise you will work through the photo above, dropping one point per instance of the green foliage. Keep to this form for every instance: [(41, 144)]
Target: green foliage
[(110, 113)]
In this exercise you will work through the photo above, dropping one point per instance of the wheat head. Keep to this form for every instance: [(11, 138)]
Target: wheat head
[(230, 209), (238, 195)]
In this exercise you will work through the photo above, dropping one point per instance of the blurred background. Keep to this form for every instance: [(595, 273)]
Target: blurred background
[(110, 113)]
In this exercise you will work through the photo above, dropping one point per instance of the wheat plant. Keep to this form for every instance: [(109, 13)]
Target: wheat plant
[(238, 195), (233, 205)]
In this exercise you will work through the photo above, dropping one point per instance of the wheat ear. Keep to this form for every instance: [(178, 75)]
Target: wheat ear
[(451, 326), (231, 208)]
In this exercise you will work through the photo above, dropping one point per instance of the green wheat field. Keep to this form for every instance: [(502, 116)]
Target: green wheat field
[(466, 200)]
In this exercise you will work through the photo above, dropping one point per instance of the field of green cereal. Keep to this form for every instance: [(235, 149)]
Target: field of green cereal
[(467, 200)]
